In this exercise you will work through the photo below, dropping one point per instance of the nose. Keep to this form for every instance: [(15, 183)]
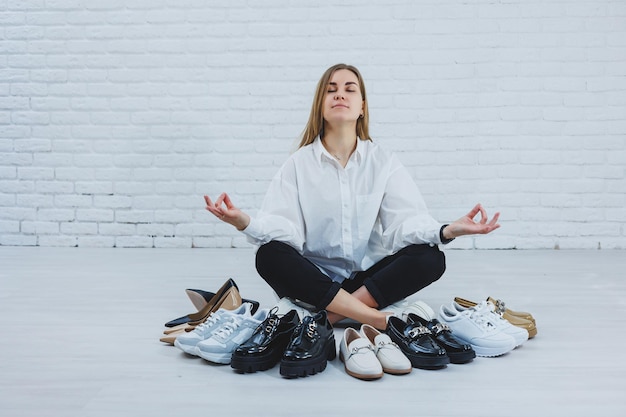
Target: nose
[(338, 96)]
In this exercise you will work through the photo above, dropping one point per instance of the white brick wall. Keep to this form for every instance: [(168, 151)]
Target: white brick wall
[(117, 116)]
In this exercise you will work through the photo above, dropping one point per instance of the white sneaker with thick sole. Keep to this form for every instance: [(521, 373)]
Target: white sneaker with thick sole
[(488, 309), (234, 331), (474, 327), (187, 341)]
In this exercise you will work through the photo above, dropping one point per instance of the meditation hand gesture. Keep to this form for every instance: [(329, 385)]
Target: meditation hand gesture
[(467, 226), (225, 210)]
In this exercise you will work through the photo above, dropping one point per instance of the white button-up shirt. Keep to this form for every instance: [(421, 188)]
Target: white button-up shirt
[(344, 220)]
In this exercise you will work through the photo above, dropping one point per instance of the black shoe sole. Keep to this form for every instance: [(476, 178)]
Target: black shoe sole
[(428, 362), (251, 364), (461, 357), (311, 366)]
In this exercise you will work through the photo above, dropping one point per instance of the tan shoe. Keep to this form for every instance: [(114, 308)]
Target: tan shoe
[(230, 300), (515, 320), (501, 306)]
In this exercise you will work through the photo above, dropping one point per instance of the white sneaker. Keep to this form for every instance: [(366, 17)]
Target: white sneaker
[(519, 334), (421, 309), (234, 331), (358, 357), (187, 341), (474, 327), (387, 352)]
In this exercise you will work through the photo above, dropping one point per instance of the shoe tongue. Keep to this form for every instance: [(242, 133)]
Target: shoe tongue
[(381, 339)]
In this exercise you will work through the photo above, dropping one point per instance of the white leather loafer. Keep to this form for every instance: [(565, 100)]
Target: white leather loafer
[(358, 357), (387, 352)]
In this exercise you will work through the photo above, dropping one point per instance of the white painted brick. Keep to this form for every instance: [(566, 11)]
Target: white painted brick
[(133, 242), (95, 215), (59, 240), (81, 229), (18, 240), (39, 228)]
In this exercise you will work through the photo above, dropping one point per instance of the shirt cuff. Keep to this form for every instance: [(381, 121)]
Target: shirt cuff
[(443, 239)]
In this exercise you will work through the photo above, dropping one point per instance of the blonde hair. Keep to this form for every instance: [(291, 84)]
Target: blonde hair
[(315, 125)]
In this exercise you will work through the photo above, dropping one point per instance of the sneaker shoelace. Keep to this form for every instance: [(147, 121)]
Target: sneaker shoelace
[(478, 316), (210, 321), (229, 327)]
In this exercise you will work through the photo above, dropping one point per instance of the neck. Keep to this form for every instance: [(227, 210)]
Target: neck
[(340, 148)]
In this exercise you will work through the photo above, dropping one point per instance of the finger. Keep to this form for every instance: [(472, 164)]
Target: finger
[(220, 200), (495, 219), (483, 215), (473, 212), (208, 201), (229, 204)]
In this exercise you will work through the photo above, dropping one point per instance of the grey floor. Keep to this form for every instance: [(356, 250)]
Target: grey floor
[(82, 328)]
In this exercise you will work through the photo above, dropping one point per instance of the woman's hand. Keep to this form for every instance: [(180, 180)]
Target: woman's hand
[(467, 226), (225, 210)]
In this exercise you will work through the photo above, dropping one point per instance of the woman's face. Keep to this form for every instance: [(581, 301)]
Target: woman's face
[(343, 101)]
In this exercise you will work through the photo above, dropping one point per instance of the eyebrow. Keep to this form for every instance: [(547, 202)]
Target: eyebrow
[(347, 83)]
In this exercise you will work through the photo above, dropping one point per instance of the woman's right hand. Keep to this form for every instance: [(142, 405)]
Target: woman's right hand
[(225, 210)]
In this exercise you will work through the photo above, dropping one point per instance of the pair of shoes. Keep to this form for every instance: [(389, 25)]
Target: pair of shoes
[(368, 353), (232, 331), (517, 318), (205, 301), (487, 333), (264, 349), (230, 300), (417, 344), (458, 351), (312, 344)]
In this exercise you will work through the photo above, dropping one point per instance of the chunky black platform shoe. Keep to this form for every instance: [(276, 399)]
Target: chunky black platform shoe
[(264, 349), (312, 344)]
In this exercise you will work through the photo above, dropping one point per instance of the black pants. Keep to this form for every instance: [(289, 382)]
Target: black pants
[(392, 279)]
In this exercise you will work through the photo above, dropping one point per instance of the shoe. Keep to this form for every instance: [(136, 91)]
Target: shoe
[(265, 347), (203, 313), (501, 307), (516, 320), (200, 298), (233, 332), (419, 308), (358, 356), (475, 328), (187, 341), (387, 352), (519, 334), (416, 343), (312, 344), (458, 352), (229, 301)]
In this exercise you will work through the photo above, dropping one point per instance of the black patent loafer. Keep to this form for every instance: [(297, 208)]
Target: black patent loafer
[(417, 344), (457, 351), (265, 347), (312, 344)]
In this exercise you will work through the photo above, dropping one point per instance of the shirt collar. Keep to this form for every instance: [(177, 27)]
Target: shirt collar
[(321, 153)]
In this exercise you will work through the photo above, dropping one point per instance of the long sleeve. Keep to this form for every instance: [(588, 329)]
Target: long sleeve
[(280, 216), (404, 216)]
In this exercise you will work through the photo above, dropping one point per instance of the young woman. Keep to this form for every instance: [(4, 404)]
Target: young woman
[(343, 227)]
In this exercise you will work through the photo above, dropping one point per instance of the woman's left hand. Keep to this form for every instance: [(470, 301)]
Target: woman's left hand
[(467, 226)]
